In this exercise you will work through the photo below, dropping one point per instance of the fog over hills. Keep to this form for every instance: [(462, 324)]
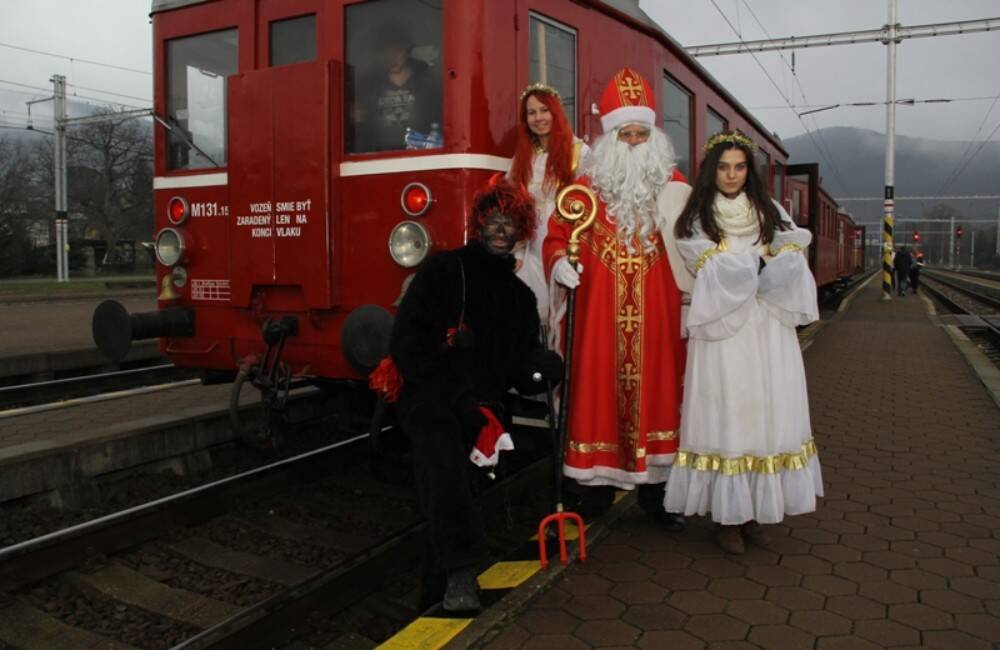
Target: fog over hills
[(923, 166)]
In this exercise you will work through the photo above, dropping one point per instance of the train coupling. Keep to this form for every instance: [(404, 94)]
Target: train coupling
[(114, 329)]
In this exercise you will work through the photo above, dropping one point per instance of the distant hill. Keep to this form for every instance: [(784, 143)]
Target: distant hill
[(922, 166)]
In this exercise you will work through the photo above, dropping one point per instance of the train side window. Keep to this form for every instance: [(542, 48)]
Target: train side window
[(293, 40), (197, 67), (553, 60), (677, 121), (393, 76), (762, 163), (778, 184), (796, 205), (713, 123)]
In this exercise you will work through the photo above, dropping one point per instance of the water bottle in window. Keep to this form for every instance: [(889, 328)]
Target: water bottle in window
[(434, 138)]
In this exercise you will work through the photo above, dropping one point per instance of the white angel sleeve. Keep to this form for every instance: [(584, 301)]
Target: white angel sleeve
[(787, 287), (724, 288)]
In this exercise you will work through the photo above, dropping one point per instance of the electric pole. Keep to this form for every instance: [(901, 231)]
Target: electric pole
[(59, 159), (890, 153)]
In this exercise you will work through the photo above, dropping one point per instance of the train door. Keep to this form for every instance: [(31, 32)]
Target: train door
[(282, 247)]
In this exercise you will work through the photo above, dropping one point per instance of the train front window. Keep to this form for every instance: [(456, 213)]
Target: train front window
[(553, 60), (293, 40), (393, 76), (677, 121), (197, 67)]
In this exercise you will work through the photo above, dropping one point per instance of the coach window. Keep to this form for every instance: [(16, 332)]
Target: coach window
[(796, 205), (393, 76), (197, 67), (714, 123), (762, 161), (553, 60), (293, 40), (779, 182), (677, 121)]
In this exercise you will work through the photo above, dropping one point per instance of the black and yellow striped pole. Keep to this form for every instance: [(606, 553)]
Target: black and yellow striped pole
[(887, 226)]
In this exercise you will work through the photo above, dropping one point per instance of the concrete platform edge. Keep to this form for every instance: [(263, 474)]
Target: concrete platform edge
[(496, 617)]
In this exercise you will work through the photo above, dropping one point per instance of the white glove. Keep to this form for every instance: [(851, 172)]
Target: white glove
[(564, 273)]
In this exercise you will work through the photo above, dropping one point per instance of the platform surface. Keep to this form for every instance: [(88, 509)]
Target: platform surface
[(902, 552)]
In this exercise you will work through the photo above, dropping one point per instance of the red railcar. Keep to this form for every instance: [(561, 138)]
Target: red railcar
[(277, 210), (837, 251)]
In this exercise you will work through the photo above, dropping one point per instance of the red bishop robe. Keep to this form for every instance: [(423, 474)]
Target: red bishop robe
[(628, 357)]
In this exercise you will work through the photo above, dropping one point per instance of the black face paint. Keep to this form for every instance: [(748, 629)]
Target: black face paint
[(498, 233)]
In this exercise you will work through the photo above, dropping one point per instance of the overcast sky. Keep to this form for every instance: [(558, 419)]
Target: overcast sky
[(118, 32)]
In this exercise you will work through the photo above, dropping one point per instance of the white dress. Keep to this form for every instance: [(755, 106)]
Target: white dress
[(746, 447), (530, 268)]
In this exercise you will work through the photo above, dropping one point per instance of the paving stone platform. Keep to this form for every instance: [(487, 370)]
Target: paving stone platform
[(904, 551)]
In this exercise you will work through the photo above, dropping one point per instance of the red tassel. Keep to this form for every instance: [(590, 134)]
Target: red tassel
[(386, 379)]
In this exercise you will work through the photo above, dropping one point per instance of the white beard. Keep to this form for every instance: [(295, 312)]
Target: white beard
[(628, 180)]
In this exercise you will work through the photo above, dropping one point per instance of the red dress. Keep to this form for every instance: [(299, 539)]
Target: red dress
[(628, 357)]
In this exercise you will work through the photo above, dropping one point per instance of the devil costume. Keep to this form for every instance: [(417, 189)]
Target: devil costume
[(466, 332)]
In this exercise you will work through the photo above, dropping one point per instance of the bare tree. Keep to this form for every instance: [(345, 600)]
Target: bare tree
[(16, 168), (110, 179)]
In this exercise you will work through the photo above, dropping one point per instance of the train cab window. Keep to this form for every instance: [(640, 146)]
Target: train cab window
[(762, 163), (197, 67), (293, 40), (553, 60), (393, 76), (713, 123), (677, 121)]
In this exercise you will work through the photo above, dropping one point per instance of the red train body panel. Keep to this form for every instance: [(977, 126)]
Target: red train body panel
[(291, 215)]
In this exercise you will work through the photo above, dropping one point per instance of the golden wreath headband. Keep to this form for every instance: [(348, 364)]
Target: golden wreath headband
[(734, 137), (539, 86)]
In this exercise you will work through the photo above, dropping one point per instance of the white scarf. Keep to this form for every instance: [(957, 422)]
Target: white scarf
[(736, 217)]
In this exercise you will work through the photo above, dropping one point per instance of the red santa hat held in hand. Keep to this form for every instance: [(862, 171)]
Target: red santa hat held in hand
[(627, 99)]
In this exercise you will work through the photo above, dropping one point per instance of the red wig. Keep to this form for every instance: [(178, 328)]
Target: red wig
[(559, 167), (507, 198)]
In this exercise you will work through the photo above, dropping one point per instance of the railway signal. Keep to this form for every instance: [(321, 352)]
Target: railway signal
[(916, 236), (958, 232)]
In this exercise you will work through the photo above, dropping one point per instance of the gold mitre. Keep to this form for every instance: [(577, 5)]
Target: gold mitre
[(734, 137), (539, 86)]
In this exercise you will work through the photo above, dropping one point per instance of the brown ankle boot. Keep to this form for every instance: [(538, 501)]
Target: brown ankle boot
[(730, 539), (756, 533)]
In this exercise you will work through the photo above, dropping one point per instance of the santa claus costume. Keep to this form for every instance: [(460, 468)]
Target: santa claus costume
[(627, 350)]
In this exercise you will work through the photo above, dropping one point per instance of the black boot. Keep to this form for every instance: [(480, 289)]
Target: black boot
[(650, 498), (462, 591)]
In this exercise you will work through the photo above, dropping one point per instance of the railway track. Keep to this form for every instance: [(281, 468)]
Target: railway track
[(977, 307), (312, 546), (60, 390)]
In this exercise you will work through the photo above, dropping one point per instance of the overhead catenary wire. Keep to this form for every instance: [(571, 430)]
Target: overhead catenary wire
[(76, 95), (75, 59), (960, 167), (788, 102)]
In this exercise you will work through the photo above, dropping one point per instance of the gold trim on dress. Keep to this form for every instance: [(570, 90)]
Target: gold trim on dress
[(790, 246), (735, 466), (593, 447), (660, 436)]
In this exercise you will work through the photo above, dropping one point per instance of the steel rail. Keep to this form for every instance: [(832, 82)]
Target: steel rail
[(46, 555), (43, 392), (965, 289)]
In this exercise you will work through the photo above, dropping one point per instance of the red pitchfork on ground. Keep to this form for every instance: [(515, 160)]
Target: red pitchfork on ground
[(574, 210)]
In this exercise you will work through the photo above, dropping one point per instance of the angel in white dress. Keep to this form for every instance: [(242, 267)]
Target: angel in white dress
[(747, 454)]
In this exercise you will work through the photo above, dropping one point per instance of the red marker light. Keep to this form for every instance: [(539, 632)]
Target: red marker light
[(416, 199), (177, 210)]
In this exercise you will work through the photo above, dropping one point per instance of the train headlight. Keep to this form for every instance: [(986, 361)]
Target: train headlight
[(409, 243), (169, 246), (415, 199), (178, 210)]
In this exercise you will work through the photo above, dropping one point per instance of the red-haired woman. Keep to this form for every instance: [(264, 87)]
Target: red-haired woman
[(546, 160)]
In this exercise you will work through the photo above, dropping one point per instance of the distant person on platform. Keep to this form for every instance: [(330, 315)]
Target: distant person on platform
[(466, 332), (747, 454), (404, 93), (627, 348), (915, 268), (546, 159), (901, 264)]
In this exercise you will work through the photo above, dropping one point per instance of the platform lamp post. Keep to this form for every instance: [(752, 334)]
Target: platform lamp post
[(890, 153)]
